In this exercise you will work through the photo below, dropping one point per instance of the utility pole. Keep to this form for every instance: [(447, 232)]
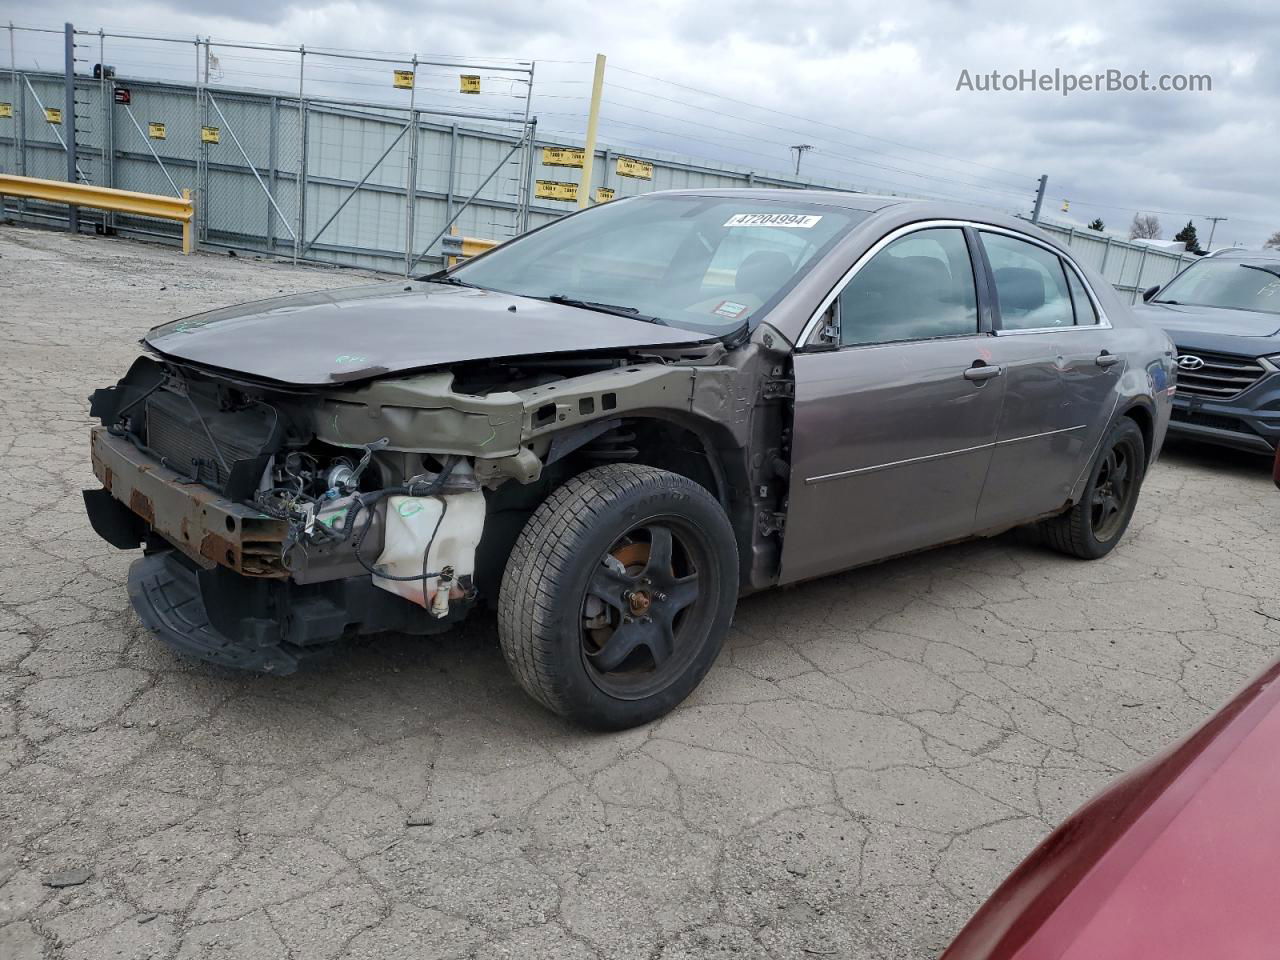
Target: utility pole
[(1044, 182), (1215, 221), (69, 121), (593, 121), (799, 150)]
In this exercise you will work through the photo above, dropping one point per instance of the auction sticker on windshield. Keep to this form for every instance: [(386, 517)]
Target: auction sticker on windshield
[(802, 220), (730, 309)]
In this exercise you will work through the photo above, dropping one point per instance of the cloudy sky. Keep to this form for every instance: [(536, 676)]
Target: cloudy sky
[(872, 86)]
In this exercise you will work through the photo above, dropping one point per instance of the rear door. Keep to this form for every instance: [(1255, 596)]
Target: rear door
[(894, 422), (1056, 381)]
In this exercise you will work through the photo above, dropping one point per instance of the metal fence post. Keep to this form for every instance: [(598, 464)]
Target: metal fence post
[(202, 149), (19, 120), (532, 132), (410, 188), (1106, 254), (411, 170), (69, 120), (453, 166), (300, 191), (1137, 280), (273, 160)]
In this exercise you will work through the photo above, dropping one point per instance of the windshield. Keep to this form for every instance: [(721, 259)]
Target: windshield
[(1227, 283), (710, 264)]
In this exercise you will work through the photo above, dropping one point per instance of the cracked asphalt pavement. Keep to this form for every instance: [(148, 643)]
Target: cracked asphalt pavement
[(869, 757)]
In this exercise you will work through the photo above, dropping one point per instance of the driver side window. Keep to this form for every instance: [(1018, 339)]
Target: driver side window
[(919, 287)]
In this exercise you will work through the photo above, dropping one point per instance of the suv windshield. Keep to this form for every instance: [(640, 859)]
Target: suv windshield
[(710, 264), (1227, 283)]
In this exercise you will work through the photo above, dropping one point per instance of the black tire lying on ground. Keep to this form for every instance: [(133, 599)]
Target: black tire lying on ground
[(604, 617)]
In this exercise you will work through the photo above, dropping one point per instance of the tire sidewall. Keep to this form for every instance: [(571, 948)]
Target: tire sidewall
[(1124, 430), (668, 496)]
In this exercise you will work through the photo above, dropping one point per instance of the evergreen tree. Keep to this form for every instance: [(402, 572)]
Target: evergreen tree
[(1097, 224), (1188, 236)]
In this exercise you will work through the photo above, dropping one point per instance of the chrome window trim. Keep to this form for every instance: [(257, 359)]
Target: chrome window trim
[(809, 328), (1104, 322)]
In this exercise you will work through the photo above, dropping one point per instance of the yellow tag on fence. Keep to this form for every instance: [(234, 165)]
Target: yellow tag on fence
[(604, 194), (210, 135), (637, 169), (156, 131), (555, 190), (6, 109), (402, 80), (469, 83), (53, 114), (563, 156)]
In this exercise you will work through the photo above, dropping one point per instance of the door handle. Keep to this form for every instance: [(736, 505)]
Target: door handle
[(1106, 359), (982, 371)]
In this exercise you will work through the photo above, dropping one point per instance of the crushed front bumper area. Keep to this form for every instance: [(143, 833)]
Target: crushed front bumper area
[(212, 584), (206, 527), (271, 626)]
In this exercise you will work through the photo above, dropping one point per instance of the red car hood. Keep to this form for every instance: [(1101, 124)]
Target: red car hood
[(1178, 860)]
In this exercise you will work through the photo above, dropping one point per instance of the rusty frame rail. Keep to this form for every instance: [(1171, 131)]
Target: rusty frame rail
[(181, 209), (205, 526)]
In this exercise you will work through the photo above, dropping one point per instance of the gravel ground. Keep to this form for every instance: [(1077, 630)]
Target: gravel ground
[(870, 756)]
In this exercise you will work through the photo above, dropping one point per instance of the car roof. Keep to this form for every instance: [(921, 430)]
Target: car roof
[(896, 209), (868, 202), (1240, 253)]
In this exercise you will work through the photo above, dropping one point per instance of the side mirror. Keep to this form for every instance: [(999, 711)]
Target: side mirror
[(1150, 292)]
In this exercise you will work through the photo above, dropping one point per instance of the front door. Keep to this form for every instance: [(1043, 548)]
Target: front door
[(894, 425)]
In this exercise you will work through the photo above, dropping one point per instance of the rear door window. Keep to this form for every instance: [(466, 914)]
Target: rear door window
[(1086, 314), (1031, 287)]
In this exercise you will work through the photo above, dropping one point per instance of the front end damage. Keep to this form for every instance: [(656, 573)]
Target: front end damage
[(277, 519)]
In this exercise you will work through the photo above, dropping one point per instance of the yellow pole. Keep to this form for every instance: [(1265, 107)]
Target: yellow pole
[(593, 120), (188, 234)]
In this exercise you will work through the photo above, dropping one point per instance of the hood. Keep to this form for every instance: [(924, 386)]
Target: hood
[(1247, 332), (358, 333)]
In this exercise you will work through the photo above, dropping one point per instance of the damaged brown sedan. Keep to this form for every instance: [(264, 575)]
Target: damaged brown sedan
[(612, 427)]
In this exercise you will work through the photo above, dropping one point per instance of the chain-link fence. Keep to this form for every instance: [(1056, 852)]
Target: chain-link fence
[(305, 174), (283, 159)]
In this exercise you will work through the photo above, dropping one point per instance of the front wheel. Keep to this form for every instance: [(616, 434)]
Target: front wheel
[(618, 595), (1093, 527)]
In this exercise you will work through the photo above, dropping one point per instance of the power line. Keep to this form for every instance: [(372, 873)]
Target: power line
[(793, 130), (859, 133), (870, 163)]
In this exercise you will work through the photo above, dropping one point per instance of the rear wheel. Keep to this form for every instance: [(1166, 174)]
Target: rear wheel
[(1093, 527), (618, 594)]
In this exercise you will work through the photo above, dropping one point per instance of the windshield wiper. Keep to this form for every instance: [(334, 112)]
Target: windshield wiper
[(1274, 271), (442, 276), (632, 313)]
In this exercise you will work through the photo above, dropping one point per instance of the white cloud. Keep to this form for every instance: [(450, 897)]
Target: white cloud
[(889, 73)]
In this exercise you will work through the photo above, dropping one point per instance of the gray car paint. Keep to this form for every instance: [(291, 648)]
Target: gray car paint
[(898, 423), (1042, 465), (359, 333)]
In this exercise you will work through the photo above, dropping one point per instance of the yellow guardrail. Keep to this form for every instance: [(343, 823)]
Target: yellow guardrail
[(181, 208), (459, 248)]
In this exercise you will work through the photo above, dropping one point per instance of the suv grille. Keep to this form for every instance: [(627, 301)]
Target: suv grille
[(1222, 376)]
